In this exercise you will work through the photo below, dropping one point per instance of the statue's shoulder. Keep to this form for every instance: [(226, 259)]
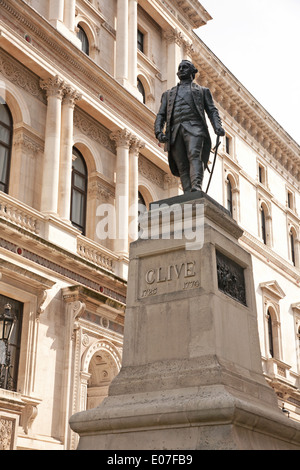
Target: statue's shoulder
[(198, 87), (172, 90)]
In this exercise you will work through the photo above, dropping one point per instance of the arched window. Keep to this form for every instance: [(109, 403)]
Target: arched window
[(6, 131), (81, 34), (229, 195), (79, 191), (270, 334), (141, 89)]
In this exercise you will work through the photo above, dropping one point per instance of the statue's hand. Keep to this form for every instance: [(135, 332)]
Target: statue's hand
[(162, 137), (220, 131)]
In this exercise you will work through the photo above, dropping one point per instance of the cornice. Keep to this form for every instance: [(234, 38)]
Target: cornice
[(191, 10), (246, 111)]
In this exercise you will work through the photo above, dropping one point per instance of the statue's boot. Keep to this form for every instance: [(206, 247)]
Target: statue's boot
[(196, 175), (186, 182)]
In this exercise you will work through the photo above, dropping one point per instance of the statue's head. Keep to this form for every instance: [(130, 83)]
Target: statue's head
[(186, 70)]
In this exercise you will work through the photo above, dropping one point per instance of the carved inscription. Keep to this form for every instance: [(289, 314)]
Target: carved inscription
[(169, 278)]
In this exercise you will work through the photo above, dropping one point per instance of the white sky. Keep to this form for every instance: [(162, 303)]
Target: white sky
[(259, 42)]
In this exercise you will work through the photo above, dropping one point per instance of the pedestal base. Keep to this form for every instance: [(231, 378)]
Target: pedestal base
[(191, 376)]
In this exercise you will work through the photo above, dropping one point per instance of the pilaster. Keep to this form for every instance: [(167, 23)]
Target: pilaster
[(71, 96), (135, 147), (122, 139), (49, 199)]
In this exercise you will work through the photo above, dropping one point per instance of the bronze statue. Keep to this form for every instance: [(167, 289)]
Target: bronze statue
[(186, 136)]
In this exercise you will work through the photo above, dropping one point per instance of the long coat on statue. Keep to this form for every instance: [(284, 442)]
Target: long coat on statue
[(203, 102)]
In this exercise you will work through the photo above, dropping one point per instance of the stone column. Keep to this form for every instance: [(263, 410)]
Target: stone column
[(132, 43), (69, 14), (136, 145), (122, 42), (56, 11), (122, 139), (175, 55), (68, 105), (49, 200)]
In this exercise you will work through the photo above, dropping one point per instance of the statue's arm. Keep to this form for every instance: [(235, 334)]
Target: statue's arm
[(213, 113), (161, 119)]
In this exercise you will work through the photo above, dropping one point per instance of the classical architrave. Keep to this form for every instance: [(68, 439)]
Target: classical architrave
[(296, 311), (271, 296), (32, 292), (81, 345)]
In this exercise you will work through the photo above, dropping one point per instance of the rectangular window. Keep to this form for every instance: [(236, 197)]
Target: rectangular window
[(261, 174), (228, 145), (290, 200), (140, 41)]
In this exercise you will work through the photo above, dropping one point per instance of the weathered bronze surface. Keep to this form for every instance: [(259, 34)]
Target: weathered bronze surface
[(231, 279), (186, 136)]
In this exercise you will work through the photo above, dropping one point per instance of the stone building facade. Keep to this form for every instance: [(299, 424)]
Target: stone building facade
[(80, 84)]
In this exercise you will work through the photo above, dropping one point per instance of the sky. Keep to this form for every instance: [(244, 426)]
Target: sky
[(259, 42)]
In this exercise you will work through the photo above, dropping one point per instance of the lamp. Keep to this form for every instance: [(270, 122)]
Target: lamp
[(7, 320)]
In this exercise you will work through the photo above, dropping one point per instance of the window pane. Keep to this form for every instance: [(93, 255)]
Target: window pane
[(84, 40), (78, 164), (5, 115), (78, 204), (79, 181), (3, 164), (4, 135)]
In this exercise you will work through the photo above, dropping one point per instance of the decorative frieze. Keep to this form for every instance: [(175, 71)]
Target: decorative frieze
[(19, 75), (93, 129), (151, 172)]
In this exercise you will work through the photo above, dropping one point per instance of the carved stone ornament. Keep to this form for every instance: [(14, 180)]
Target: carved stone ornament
[(231, 279), (6, 433)]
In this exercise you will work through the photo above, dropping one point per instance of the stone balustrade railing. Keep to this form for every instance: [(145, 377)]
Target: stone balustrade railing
[(33, 221), (19, 214), (96, 253)]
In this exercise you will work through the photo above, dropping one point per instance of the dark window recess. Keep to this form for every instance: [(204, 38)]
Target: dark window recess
[(263, 225), (141, 89), (81, 34), (140, 41), (229, 195), (270, 335), (6, 131), (292, 243)]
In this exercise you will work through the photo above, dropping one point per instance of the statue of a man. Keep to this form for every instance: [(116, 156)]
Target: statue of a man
[(186, 136)]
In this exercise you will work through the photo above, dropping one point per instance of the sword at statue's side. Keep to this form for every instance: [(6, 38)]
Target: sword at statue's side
[(214, 162)]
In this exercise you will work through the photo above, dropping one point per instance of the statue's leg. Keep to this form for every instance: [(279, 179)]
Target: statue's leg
[(194, 145), (179, 154)]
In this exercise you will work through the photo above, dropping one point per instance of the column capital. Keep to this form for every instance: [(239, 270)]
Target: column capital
[(136, 144), (121, 137), (54, 86), (71, 96), (174, 36)]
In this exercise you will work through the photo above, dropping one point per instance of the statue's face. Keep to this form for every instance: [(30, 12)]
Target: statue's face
[(184, 71)]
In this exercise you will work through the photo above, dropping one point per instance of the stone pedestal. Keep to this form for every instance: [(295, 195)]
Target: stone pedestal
[(191, 376)]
